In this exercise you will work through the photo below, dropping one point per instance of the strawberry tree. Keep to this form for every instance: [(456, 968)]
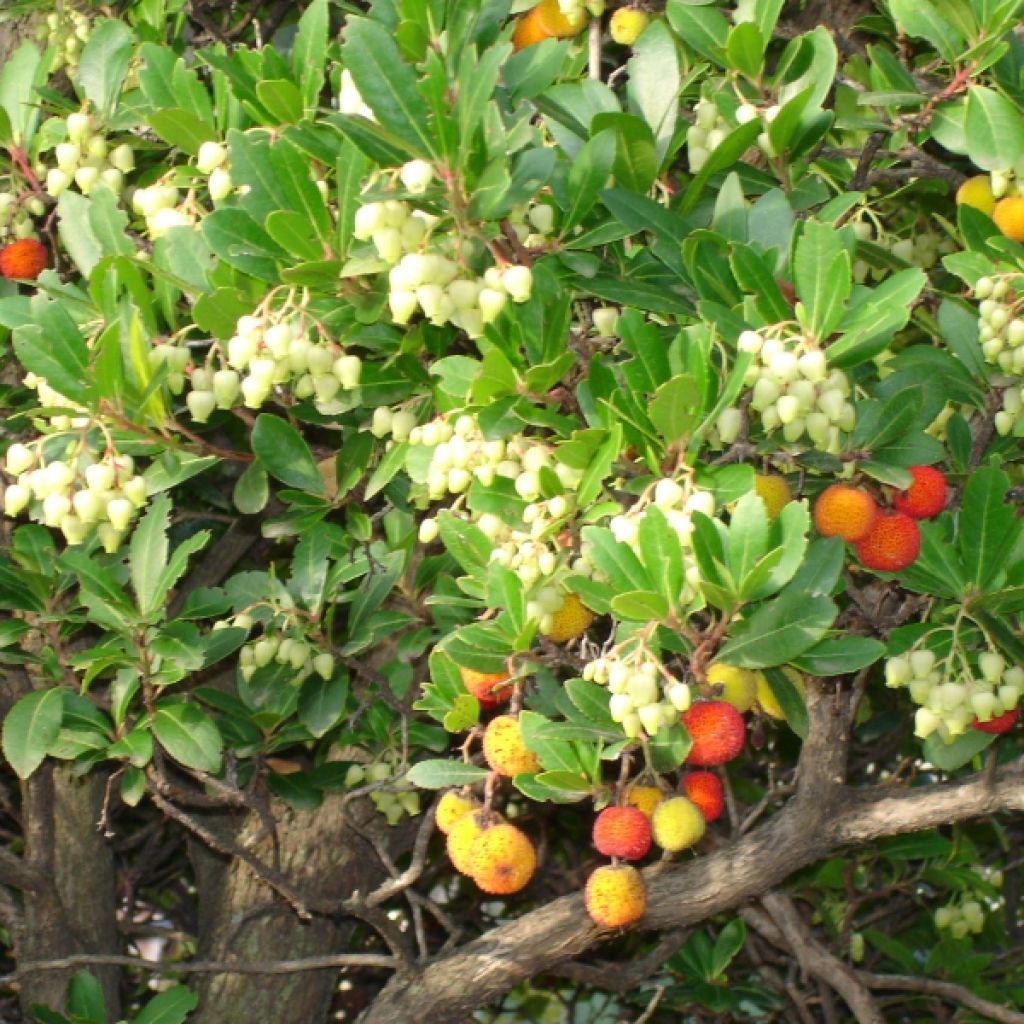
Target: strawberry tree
[(485, 475)]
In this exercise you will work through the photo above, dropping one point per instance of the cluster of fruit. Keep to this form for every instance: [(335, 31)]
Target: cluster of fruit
[(23, 260), (76, 494), (64, 33), (393, 804), (1001, 320), (85, 158), (280, 349), (645, 696), (158, 205), (16, 218), (999, 195), (1010, 417), (884, 541), (706, 134), (212, 160), (792, 389), (986, 700), (922, 249), (961, 918), (283, 644)]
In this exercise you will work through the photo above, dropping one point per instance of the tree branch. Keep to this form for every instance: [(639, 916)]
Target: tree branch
[(944, 990)]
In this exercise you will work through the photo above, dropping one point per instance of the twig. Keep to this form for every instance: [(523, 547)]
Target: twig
[(943, 990)]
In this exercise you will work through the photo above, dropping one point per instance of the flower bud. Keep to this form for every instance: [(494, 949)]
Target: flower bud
[(16, 499), (211, 155), (518, 282), (200, 405), (20, 457), (85, 178), (79, 125), (68, 156), (122, 158), (416, 176), (219, 184)]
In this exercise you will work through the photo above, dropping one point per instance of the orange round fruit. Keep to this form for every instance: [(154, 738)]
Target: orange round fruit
[(23, 260), (502, 860), (486, 686), (545, 21), (461, 838), (1009, 217), (615, 896), (573, 619), (843, 511), (451, 808), (504, 749), (892, 544)]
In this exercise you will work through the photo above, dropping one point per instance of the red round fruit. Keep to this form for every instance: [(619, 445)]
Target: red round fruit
[(998, 725), (622, 832), (892, 544), (926, 496), (23, 260), (717, 732), (706, 791)]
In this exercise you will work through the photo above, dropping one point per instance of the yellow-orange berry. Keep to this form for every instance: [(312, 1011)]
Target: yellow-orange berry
[(461, 838), (502, 860), (977, 192), (1009, 217), (626, 24), (545, 21), (644, 798), (504, 749), (573, 619), (615, 896), (451, 808), (486, 686), (739, 685), (774, 491), (846, 512)]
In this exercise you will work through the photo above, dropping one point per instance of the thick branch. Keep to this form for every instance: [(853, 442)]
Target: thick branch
[(944, 990)]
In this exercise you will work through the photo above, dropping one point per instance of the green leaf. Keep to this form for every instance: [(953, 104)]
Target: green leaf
[(789, 699), (466, 543), (169, 1007), (322, 702), (636, 159), (59, 355), (438, 773), (23, 72), (251, 492), (640, 606), (85, 998), (730, 941), (779, 630), (281, 99), (654, 83), (662, 553), (104, 63), (948, 757), (181, 129), (723, 156), (282, 452), (189, 735), (241, 243), (309, 52), (387, 84), (675, 409), (148, 555), (919, 18), (988, 528), (838, 655), (29, 729), (748, 535), (994, 128), (745, 49), (587, 177), (821, 273), (704, 29)]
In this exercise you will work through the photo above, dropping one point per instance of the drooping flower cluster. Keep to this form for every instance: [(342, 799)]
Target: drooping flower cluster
[(86, 157), (1001, 321)]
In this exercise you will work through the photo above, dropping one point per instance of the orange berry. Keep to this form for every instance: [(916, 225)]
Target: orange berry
[(1009, 217), (622, 832), (644, 798), (504, 749), (706, 791), (717, 732), (926, 496), (573, 619), (615, 896), (486, 686), (846, 512), (502, 860), (461, 838), (892, 544), (23, 260), (452, 807), (774, 491), (545, 21)]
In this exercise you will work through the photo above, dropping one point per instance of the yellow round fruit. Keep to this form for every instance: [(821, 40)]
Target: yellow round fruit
[(766, 696), (774, 491), (977, 192), (504, 749), (461, 838), (570, 621), (502, 860), (644, 798), (615, 896), (626, 25), (677, 824), (739, 685), (452, 807), (1009, 217)]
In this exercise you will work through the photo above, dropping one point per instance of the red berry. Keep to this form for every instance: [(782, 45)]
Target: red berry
[(486, 686), (846, 512), (998, 725), (622, 832), (892, 544), (706, 791), (23, 260), (717, 732), (926, 496)]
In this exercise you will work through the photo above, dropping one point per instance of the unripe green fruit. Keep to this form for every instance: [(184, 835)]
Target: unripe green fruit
[(677, 824)]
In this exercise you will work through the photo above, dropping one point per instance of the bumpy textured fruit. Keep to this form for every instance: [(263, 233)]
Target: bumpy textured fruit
[(1009, 217), (706, 791), (766, 695), (486, 686), (502, 860), (461, 838), (570, 621), (644, 798), (545, 21), (504, 749), (739, 685), (626, 25), (846, 512), (998, 725), (774, 491), (615, 896), (926, 496), (677, 824), (717, 731), (892, 544), (452, 807), (622, 832), (25, 260), (977, 192)]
